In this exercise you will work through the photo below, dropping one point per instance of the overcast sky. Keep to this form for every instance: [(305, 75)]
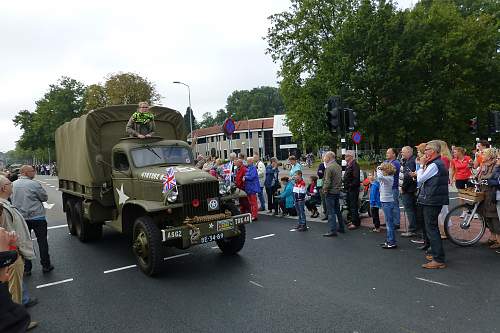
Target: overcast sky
[(214, 46)]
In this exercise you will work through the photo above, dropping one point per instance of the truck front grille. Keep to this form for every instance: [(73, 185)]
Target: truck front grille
[(200, 191)]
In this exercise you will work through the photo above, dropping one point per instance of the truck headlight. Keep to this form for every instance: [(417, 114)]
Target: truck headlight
[(172, 196)]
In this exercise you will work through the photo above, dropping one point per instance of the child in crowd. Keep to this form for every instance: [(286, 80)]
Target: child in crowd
[(299, 197), (385, 176), (374, 201), (285, 199), (313, 197)]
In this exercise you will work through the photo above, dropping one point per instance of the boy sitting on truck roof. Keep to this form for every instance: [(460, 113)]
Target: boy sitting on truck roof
[(142, 123)]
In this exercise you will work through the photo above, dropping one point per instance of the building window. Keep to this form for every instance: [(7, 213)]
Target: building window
[(236, 136), (213, 139), (250, 133), (225, 138)]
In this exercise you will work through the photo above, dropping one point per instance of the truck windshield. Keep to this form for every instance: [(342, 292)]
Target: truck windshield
[(161, 155)]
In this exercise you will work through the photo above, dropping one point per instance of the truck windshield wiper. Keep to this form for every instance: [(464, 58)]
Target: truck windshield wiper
[(152, 150)]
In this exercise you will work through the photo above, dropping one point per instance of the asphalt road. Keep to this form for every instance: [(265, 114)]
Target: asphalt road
[(283, 282)]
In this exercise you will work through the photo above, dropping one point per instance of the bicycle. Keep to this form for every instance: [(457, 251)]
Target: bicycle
[(464, 225)]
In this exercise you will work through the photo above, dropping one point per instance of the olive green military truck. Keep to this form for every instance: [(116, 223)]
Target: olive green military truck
[(147, 188)]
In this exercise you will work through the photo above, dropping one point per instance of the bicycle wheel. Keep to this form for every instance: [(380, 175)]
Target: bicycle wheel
[(458, 228)]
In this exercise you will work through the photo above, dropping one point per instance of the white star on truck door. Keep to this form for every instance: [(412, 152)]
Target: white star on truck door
[(122, 197)]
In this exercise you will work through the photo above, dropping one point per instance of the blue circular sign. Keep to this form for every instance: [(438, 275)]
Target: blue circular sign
[(356, 137), (229, 126)]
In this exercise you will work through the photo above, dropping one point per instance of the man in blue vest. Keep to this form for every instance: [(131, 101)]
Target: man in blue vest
[(433, 180)]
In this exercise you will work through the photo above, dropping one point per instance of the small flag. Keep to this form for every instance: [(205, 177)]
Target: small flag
[(226, 169), (169, 181)]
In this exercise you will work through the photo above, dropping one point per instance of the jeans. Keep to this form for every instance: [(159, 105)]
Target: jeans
[(299, 206), (261, 199), (40, 228), (431, 214), (323, 202), (388, 208), (333, 209), (410, 202), (26, 295), (396, 210), (353, 203)]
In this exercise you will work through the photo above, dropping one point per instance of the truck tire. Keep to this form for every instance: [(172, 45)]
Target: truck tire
[(85, 231), (70, 216), (147, 246), (233, 245)]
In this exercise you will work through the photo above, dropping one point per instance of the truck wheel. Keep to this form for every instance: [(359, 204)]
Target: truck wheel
[(85, 231), (147, 245), (69, 216), (233, 245)]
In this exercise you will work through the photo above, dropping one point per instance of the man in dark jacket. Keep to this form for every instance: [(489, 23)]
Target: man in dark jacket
[(409, 190), (351, 186), (433, 179)]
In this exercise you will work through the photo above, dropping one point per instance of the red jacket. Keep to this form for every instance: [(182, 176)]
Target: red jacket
[(239, 177)]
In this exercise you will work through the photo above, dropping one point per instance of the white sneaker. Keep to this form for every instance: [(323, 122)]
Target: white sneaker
[(476, 216)]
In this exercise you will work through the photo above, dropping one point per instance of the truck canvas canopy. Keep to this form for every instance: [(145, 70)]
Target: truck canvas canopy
[(100, 130)]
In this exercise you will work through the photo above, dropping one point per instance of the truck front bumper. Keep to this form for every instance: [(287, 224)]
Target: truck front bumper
[(201, 233)]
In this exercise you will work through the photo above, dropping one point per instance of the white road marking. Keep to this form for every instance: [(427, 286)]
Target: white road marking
[(177, 256), (53, 283), (435, 282), (265, 236), (119, 269), (53, 186), (57, 226), (293, 229), (256, 284), (215, 247)]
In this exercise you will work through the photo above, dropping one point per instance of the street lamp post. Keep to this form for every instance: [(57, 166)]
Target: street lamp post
[(190, 109)]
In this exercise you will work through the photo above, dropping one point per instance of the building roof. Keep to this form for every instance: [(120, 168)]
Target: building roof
[(242, 125)]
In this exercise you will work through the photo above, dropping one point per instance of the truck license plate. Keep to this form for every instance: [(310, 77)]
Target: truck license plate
[(211, 238), (242, 219), (225, 225)]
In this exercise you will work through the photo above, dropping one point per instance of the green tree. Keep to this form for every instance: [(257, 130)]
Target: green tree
[(207, 120), (257, 103), (121, 88), (434, 65), (188, 118), (63, 102), (95, 97)]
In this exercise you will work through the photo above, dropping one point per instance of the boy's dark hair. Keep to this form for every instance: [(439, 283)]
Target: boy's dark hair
[(314, 178), (299, 173), (285, 179)]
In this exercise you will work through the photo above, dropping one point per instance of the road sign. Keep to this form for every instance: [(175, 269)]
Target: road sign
[(356, 137), (229, 126)]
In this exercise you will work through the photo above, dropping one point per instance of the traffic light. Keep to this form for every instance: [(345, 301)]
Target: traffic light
[(473, 125), (494, 122), (333, 113), (352, 122)]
